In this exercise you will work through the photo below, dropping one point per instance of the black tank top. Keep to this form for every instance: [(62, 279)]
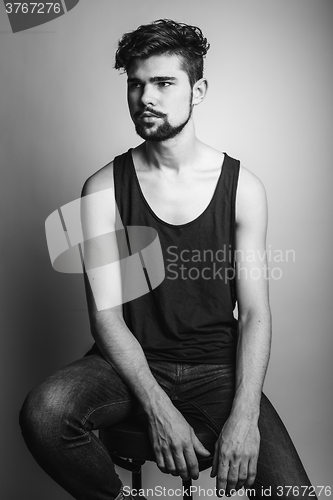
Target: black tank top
[(188, 318)]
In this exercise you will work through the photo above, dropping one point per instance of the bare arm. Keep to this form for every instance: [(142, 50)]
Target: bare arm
[(237, 449), (174, 441)]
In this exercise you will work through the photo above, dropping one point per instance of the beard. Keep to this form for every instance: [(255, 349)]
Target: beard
[(162, 132)]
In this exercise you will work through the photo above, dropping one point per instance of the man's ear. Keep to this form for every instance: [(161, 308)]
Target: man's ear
[(199, 91)]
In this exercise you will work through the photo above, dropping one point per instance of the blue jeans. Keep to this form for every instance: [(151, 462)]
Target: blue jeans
[(59, 415)]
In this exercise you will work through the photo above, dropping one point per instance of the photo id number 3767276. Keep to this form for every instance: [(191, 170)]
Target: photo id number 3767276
[(32, 8), (302, 491)]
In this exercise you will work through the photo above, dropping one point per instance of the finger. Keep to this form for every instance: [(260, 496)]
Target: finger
[(252, 472), (232, 477), (192, 463), (170, 466), (159, 460), (242, 475), (222, 477), (181, 466), (215, 463), (199, 447)]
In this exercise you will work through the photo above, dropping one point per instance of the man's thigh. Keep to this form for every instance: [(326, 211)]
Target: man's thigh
[(279, 466), (88, 391)]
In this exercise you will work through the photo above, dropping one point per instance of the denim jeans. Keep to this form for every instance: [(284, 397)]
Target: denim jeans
[(59, 415)]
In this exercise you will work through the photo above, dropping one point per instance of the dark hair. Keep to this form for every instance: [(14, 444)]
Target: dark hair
[(164, 36)]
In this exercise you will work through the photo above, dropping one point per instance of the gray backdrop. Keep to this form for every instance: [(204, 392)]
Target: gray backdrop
[(63, 115)]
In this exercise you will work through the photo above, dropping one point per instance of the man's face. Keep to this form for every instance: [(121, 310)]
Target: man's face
[(159, 97)]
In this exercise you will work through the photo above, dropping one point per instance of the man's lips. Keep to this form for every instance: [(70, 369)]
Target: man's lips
[(148, 114)]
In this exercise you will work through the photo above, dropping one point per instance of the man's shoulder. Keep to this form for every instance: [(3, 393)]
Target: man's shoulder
[(251, 194), (98, 202), (100, 180), (248, 181)]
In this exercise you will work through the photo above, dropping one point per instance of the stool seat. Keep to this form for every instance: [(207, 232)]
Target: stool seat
[(129, 439)]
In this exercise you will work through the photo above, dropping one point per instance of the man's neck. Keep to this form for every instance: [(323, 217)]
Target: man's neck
[(174, 155)]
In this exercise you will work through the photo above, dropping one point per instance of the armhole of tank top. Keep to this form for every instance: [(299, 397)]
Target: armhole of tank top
[(116, 178), (233, 287), (117, 201)]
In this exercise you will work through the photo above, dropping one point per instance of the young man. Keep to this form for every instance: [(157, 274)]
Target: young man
[(177, 350)]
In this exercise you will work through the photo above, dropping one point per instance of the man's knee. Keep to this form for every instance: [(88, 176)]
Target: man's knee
[(43, 411)]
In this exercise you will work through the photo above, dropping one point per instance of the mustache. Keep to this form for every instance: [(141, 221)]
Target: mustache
[(141, 112)]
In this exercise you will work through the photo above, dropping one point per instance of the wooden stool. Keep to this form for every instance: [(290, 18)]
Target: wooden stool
[(129, 446)]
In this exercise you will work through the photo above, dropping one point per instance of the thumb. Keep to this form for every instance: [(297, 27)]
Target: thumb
[(199, 447)]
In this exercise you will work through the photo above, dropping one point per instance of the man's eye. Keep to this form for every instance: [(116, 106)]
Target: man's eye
[(164, 84), (135, 85)]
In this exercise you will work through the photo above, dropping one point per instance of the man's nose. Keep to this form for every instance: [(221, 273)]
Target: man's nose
[(148, 95)]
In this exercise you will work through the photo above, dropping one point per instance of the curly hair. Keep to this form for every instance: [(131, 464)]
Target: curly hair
[(164, 36)]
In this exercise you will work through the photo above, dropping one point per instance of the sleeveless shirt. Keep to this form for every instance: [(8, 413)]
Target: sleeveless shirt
[(188, 318)]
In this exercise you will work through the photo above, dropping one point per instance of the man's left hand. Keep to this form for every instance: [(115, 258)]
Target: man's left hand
[(236, 455)]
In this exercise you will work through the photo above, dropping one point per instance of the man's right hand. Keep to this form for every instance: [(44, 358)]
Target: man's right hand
[(175, 444)]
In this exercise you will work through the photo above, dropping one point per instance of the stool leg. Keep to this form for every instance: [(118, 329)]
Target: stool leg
[(137, 480), (187, 483)]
